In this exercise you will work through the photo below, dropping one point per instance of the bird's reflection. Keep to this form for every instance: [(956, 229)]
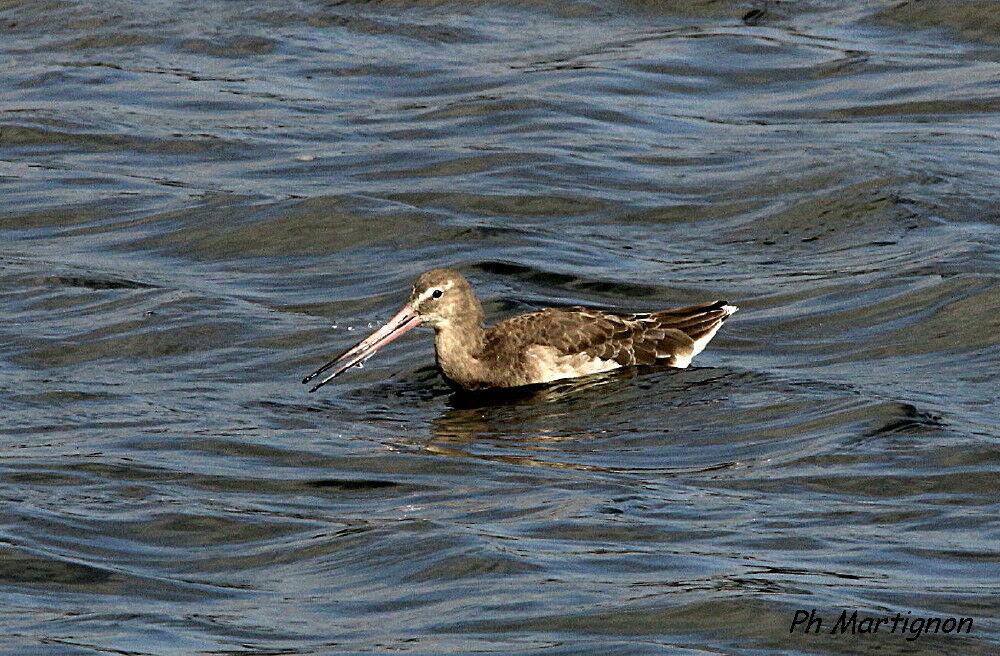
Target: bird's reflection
[(534, 426)]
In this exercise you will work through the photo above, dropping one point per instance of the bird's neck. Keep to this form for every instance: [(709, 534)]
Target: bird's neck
[(458, 345)]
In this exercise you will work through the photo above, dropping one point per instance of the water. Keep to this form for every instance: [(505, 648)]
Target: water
[(205, 200)]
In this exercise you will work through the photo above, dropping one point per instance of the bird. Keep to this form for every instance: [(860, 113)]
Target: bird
[(538, 347)]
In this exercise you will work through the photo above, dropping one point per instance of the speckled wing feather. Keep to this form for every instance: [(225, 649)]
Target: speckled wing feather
[(668, 336)]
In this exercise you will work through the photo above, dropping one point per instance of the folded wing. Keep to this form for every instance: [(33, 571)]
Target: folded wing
[(672, 337)]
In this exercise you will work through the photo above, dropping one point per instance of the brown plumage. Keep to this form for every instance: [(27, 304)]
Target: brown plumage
[(537, 347)]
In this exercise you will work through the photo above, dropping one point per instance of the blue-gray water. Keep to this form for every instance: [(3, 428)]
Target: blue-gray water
[(204, 200)]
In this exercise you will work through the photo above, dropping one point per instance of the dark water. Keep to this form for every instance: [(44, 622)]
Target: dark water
[(193, 192)]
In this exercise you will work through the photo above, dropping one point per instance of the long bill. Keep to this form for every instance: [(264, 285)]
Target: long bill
[(404, 321)]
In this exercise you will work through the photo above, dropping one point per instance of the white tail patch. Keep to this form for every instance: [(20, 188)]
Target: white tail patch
[(702, 342)]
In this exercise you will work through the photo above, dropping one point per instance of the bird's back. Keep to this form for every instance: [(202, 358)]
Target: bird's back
[(566, 342)]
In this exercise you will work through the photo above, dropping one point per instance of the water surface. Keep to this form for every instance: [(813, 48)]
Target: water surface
[(204, 200)]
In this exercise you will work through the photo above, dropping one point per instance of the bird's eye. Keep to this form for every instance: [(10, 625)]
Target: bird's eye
[(437, 293)]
